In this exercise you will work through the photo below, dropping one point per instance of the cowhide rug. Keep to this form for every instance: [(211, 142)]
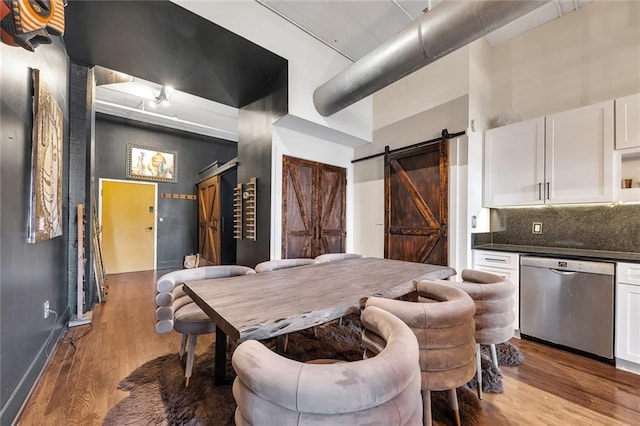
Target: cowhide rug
[(158, 396)]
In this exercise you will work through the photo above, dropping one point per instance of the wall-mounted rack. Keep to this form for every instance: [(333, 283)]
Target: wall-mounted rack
[(237, 212), (178, 196), (249, 196)]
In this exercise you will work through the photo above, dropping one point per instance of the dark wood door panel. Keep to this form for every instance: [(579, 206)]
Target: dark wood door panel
[(313, 207), (416, 204)]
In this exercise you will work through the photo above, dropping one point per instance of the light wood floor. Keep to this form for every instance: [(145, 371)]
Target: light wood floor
[(78, 387)]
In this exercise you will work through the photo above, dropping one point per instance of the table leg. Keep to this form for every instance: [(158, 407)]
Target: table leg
[(220, 367)]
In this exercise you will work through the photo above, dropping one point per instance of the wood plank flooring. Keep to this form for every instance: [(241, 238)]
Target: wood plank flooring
[(78, 387)]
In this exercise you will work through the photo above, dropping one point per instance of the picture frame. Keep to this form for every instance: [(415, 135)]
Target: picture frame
[(45, 203), (151, 163)]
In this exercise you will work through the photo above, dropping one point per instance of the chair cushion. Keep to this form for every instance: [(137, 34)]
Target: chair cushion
[(190, 319)]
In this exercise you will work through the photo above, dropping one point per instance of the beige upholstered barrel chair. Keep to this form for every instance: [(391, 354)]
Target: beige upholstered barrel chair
[(177, 311), (334, 257), (381, 390), (494, 318), (443, 324), (274, 265)]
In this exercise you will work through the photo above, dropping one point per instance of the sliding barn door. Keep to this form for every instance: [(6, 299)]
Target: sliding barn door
[(416, 204), (313, 208), (209, 221)]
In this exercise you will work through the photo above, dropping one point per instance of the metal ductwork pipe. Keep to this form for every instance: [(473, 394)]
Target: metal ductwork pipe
[(447, 27)]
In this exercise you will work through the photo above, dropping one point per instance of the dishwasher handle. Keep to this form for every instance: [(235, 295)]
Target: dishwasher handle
[(558, 271)]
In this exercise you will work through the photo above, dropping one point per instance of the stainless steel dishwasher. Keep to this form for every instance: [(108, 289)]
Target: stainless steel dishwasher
[(569, 303)]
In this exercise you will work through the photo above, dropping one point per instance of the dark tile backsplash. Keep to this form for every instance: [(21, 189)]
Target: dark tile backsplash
[(612, 228)]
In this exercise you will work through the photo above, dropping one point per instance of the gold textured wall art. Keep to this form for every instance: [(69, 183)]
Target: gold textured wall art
[(45, 220)]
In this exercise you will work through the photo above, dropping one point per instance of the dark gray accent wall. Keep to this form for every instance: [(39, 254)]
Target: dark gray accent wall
[(606, 227), (178, 232), (80, 137), (29, 273), (255, 129)]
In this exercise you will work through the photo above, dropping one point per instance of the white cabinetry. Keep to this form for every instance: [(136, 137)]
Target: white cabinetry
[(628, 122), (505, 265), (579, 155), (514, 164), (628, 315), (561, 159), (627, 154)]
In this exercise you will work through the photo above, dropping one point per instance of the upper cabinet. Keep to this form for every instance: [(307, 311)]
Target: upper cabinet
[(514, 164), (579, 155), (565, 158), (628, 122)]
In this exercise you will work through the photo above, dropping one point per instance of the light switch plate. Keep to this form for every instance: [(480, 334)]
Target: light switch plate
[(537, 228)]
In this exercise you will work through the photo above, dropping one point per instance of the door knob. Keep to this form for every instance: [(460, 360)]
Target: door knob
[(149, 228)]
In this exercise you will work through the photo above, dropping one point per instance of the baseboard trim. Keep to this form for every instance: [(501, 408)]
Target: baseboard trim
[(629, 366), (14, 406), (170, 264)]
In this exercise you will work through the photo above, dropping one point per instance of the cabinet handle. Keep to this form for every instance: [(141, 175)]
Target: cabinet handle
[(539, 190), (493, 259), (548, 191)]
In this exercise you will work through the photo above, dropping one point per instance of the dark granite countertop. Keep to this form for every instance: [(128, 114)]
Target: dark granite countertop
[(620, 256)]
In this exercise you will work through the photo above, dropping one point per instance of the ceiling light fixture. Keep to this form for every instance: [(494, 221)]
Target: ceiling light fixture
[(163, 98)]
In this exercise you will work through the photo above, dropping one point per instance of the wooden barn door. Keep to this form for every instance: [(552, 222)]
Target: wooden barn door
[(416, 204), (313, 208), (332, 194), (209, 221)]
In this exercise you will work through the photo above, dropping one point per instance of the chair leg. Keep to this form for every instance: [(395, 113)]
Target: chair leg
[(183, 345), (479, 370), (453, 401), (193, 339), (426, 407), (494, 355)]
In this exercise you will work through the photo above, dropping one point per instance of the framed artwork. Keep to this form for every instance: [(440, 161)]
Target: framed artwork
[(45, 216), (147, 163)]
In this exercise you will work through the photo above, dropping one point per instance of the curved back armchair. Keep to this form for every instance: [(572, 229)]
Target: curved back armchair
[(382, 390), (444, 328), (274, 265), (494, 318), (334, 257), (177, 311)]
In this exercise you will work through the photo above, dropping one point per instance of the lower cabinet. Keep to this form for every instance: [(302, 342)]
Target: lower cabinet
[(505, 265), (628, 312)]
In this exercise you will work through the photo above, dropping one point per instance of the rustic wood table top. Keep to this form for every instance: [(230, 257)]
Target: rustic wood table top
[(269, 304)]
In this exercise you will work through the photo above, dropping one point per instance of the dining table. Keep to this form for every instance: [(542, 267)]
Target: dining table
[(271, 304)]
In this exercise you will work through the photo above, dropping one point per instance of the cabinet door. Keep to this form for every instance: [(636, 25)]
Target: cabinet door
[(514, 164), (628, 122), (579, 155), (627, 320)]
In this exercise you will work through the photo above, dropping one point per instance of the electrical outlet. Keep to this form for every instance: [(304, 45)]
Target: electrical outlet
[(46, 309), (537, 228)]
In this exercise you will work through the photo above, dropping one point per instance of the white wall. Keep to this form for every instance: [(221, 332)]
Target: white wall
[(429, 87), (311, 63), (586, 57), (296, 143)]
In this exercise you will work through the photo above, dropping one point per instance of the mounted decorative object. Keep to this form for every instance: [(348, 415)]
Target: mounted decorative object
[(149, 163), (46, 165), (30, 23), (250, 209), (237, 212)]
